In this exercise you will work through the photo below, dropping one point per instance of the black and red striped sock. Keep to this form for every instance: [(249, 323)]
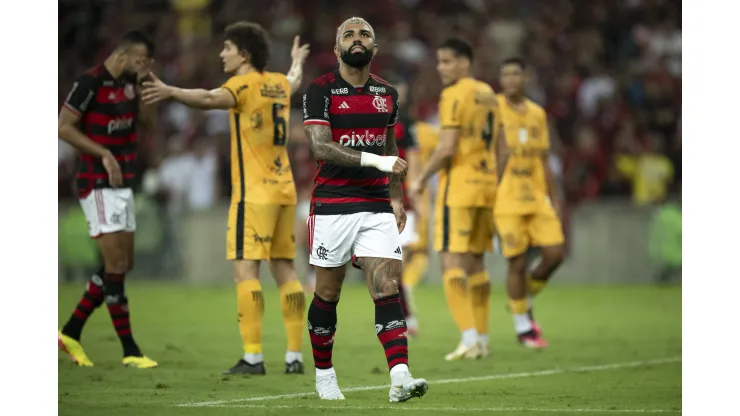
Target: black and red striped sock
[(390, 326), (117, 302), (322, 324), (91, 299)]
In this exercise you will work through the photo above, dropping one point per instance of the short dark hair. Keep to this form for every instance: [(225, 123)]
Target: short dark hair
[(459, 47), (136, 37), (252, 38), (515, 61)]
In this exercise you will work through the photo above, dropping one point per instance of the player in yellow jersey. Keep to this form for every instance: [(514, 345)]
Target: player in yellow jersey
[(527, 201), (260, 224), (465, 195), (416, 255)]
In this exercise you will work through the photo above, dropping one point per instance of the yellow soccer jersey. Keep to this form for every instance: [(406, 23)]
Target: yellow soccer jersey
[(470, 179), (523, 187), (260, 169)]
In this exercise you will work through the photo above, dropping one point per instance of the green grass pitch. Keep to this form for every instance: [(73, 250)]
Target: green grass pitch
[(613, 350)]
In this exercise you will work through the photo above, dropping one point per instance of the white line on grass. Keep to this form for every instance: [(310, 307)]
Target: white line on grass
[(445, 408), (584, 369)]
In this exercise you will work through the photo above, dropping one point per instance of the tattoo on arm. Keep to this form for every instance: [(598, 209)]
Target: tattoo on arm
[(326, 150), (391, 149), (382, 275)]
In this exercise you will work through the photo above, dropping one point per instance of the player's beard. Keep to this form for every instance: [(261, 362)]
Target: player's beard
[(357, 59)]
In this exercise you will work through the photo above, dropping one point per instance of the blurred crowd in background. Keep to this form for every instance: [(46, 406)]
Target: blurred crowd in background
[(608, 73)]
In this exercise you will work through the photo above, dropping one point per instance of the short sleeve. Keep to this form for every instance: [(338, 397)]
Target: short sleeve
[(409, 140), (236, 85), (81, 95), (394, 114), (449, 109), (316, 103)]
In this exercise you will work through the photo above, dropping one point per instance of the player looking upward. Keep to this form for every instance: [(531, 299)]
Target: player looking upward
[(261, 216), (527, 203), (357, 205), (465, 197), (99, 118)]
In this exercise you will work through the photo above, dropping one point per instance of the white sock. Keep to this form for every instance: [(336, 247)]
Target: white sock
[(470, 337), (253, 358), (522, 323), (323, 372), (397, 373), (291, 356), (483, 339), (412, 323)]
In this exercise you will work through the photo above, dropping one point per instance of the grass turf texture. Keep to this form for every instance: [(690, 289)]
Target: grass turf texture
[(193, 334)]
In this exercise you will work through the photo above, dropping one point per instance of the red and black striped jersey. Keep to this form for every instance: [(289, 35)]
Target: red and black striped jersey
[(405, 141), (359, 118), (108, 110)]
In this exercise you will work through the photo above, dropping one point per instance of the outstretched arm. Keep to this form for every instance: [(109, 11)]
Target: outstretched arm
[(156, 90)]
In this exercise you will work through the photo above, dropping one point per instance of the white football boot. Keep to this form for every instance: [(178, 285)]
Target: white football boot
[(404, 387), (327, 387)]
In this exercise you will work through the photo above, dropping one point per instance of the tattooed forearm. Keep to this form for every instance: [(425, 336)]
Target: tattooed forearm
[(382, 275), (324, 149), (391, 149)]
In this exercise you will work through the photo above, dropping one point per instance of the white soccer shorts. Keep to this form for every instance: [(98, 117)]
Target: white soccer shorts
[(409, 235), (335, 238), (109, 210)]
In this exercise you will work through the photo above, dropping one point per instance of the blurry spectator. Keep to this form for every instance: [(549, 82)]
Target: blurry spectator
[(665, 248), (585, 167), (650, 171)]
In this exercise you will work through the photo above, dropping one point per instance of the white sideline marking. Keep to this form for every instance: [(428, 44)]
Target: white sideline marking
[(583, 369), (446, 409)]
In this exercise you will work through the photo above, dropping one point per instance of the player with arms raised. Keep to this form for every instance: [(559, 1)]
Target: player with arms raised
[(357, 205), (527, 203), (465, 197), (263, 199), (100, 118)]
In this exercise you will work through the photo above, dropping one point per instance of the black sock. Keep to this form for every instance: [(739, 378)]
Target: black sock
[(118, 308), (322, 324), (91, 299)]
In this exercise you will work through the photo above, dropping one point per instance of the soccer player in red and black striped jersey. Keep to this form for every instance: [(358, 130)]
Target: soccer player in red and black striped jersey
[(99, 118), (357, 205)]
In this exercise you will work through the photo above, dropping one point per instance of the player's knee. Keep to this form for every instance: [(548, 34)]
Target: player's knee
[(246, 270), (554, 255), (117, 265), (329, 293), (518, 264)]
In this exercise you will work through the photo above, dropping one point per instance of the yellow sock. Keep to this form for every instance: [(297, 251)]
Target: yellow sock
[(534, 286), (518, 306), (251, 307), (414, 269), (480, 297), (293, 304), (458, 299)]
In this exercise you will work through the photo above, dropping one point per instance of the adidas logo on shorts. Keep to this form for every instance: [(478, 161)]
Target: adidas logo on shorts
[(344, 105), (398, 250)]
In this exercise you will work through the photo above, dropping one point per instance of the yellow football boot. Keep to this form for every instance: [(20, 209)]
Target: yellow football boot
[(74, 350), (139, 362)]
